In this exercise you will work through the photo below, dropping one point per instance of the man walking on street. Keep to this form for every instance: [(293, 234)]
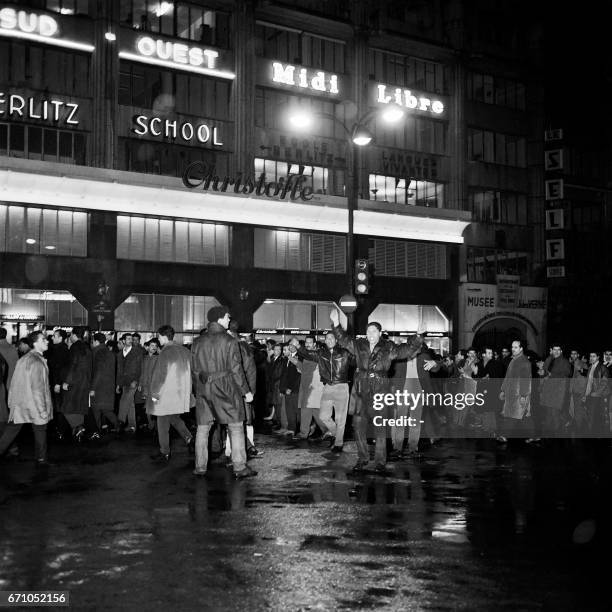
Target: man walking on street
[(516, 394), (102, 384), (170, 391), (223, 387), (129, 369), (29, 398)]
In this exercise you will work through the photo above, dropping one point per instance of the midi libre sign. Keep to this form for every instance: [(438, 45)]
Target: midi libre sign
[(199, 175)]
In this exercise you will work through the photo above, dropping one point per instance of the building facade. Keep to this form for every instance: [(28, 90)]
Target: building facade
[(150, 168)]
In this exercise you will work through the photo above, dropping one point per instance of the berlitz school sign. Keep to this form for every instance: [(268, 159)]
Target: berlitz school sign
[(199, 175)]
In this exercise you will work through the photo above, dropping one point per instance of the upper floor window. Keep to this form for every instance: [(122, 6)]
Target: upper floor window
[(155, 239), (181, 19), (48, 144), (492, 206), (172, 91), (496, 90), (43, 231), (297, 47), (493, 147), (68, 7), (414, 134), (484, 264), (406, 71), (411, 192), (317, 178)]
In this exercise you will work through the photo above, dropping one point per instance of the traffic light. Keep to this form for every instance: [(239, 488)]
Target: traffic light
[(362, 277)]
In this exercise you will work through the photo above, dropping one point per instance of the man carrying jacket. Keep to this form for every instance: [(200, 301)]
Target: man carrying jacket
[(373, 355), (333, 364)]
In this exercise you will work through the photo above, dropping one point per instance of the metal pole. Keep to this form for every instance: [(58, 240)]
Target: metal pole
[(353, 195)]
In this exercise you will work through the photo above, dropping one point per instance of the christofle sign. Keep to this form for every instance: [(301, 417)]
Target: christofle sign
[(177, 55), (39, 27), (199, 175), (14, 105), (410, 99)]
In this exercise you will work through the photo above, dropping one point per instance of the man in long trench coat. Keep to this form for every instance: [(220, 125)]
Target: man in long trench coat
[(222, 387)]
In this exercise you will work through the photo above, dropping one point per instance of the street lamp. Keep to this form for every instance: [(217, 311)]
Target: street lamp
[(358, 135)]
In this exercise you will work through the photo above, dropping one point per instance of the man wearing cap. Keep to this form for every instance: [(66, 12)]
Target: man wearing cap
[(223, 387)]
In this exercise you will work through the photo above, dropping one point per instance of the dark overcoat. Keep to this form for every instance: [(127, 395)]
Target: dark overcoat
[(78, 377), (220, 379), (103, 379)]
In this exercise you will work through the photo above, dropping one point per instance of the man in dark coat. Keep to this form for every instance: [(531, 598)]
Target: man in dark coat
[(103, 383), (289, 388), (553, 391), (129, 369), (223, 387), (76, 385), (374, 356)]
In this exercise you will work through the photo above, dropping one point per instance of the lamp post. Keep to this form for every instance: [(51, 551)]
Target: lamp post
[(358, 136)]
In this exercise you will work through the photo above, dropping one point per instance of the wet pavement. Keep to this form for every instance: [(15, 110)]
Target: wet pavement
[(469, 526)]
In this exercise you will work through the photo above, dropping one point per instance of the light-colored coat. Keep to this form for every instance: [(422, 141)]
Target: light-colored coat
[(171, 381), (517, 384), (29, 397)]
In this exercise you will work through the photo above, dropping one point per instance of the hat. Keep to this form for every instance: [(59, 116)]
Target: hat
[(216, 313)]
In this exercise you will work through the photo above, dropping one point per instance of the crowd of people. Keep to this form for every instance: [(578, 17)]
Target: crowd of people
[(218, 391)]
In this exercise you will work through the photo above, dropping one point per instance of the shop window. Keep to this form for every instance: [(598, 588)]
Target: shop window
[(302, 315), (43, 231), (291, 250), (410, 318), (154, 239), (146, 312)]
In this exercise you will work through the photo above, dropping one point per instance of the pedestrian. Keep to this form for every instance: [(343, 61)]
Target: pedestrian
[(595, 394), (373, 356), (29, 398), (334, 363), (490, 378), (516, 394), (144, 384), (103, 384), (274, 367), (578, 385), (554, 387), (4, 413), (247, 360), (129, 369), (77, 383), (58, 361), (10, 354), (222, 386), (311, 390), (24, 346), (170, 390), (289, 388)]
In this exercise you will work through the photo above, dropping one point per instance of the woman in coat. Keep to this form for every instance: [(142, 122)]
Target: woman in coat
[(170, 391), (29, 398)]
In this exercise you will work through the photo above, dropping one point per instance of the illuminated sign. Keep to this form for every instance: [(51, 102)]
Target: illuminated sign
[(164, 128), (32, 26), (197, 174), (14, 105), (177, 55), (303, 78), (408, 99)]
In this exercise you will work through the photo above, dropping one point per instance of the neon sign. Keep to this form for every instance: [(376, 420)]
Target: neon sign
[(304, 78), (165, 128), (409, 99), (177, 55), (32, 26), (47, 110)]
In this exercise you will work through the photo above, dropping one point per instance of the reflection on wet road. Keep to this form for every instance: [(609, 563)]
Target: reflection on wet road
[(467, 527)]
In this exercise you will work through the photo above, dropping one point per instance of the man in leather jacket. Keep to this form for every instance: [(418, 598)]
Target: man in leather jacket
[(374, 356), (333, 363)]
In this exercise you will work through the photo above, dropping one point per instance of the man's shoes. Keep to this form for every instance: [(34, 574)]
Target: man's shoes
[(332, 441), (161, 457), (199, 473), (130, 429), (254, 452), (246, 473), (300, 436), (79, 433), (95, 437), (336, 449), (315, 439), (360, 466), (501, 439), (191, 445)]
